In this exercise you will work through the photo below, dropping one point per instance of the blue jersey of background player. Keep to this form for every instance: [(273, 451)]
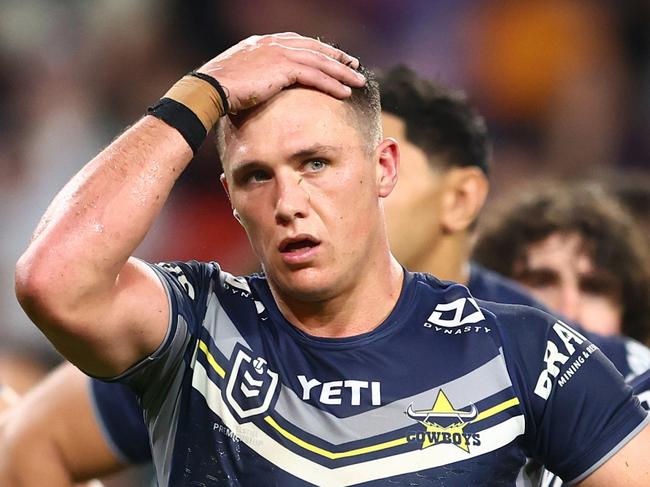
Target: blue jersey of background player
[(121, 416)]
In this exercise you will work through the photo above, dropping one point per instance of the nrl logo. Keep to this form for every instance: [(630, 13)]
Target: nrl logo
[(251, 386), (444, 424)]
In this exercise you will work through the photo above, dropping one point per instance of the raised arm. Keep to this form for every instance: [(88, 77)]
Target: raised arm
[(102, 309)]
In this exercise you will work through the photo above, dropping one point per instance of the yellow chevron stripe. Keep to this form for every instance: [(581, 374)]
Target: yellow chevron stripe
[(380, 446), (329, 454), (217, 368), (496, 409)]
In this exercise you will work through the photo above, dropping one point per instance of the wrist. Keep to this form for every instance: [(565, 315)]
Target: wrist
[(192, 106)]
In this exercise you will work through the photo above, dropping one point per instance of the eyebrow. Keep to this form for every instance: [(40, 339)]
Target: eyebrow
[(316, 149)]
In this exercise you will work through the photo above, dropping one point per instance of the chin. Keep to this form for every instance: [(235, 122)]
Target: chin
[(307, 285)]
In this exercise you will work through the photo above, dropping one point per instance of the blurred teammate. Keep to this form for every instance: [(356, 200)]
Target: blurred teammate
[(578, 252), (306, 174)]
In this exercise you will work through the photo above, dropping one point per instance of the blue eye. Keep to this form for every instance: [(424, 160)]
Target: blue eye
[(315, 165)]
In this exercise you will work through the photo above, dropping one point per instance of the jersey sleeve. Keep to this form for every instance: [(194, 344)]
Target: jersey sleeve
[(579, 410), (187, 285), (120, 418)]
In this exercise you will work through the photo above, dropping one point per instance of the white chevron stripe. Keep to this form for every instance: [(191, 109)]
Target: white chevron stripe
[(273, 451)]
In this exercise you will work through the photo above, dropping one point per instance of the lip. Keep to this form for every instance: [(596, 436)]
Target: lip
[(300, 255)]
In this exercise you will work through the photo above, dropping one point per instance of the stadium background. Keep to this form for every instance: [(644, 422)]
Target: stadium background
[(564, 86)]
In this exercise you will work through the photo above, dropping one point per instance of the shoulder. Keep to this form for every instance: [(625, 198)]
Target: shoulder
[(455, 305)]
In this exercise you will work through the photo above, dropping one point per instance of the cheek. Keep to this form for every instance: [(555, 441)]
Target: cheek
[(549, 296), (602, 314)]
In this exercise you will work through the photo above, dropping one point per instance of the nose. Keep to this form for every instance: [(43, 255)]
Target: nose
[(292, 199), (569, 297)]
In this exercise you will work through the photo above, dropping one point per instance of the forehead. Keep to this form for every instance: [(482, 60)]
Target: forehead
[(290, 122), (565, 251)]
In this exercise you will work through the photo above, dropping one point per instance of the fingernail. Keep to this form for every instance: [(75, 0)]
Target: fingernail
[(361, 77)]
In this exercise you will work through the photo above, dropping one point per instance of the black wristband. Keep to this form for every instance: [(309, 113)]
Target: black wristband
[(181, 118), (217, 86)]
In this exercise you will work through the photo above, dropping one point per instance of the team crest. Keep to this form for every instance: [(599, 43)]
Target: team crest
[(251, 386), (444, 424)]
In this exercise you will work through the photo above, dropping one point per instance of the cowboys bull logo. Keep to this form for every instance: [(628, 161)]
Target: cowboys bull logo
[(444, 425), (251, 386)]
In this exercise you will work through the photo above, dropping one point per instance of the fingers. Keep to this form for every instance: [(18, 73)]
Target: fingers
[(315, 78), (296, 41), (329, 66), (291, 39)]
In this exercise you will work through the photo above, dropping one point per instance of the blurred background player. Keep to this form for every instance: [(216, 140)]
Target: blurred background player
[(431, 215), (576, 250), (632, 190), (53, 436)]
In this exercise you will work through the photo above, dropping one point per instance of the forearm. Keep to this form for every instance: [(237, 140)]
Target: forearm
[(51, 437), (99, 218)]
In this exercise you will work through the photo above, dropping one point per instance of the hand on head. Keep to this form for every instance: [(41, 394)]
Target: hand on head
[(259, 67)]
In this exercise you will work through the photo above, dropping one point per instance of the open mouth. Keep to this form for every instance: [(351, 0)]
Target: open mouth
[(298, 244)]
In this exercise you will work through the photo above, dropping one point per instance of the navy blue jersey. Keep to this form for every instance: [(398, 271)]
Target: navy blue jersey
[(641, 387), (447, 389), (121, 417)]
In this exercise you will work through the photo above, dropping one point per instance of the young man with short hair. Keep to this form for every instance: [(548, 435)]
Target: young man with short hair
[(326, 369)]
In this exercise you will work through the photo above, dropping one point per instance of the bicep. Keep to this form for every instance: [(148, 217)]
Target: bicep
[(128, 323), (630, 466)]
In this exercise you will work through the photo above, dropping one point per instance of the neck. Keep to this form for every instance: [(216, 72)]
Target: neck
[(447, 260), (354, 310)]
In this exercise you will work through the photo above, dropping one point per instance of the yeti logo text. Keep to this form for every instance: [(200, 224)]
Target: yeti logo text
[(251, 385), (553, 356), (458, 307), (331, 392)]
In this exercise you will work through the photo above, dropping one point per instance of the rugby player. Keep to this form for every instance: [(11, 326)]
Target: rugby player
[(306, 174)]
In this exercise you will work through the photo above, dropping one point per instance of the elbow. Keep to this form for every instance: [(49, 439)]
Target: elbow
[(31, 281), (37, 289)]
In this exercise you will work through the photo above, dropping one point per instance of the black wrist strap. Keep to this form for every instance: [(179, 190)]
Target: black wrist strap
[(181, 118)]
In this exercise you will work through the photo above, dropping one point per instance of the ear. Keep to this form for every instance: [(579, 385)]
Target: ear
[(465, 191), (387, 154), (224, 183)]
